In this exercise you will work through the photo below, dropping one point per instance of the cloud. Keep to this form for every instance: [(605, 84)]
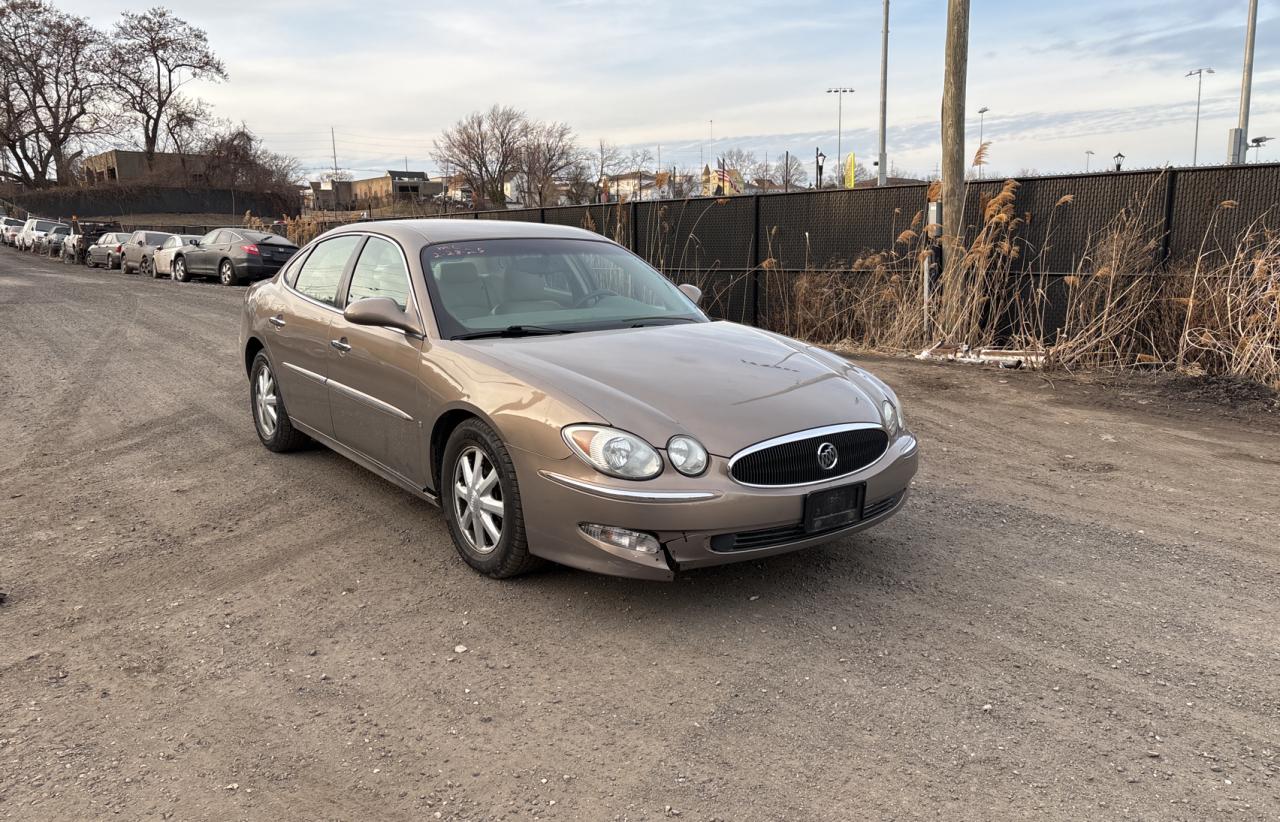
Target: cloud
[(389, 76)]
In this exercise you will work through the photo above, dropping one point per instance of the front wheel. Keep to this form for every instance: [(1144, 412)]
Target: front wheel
[(269, 416), (481, 501), (227, 273), (179, 268), (148, 268)]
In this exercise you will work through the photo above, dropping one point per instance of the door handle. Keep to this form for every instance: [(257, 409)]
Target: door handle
[(341, 345), (277, 321)]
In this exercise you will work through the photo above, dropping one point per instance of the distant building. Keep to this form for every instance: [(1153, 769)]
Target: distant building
[(394, 185), (331, 195), (120, 165)]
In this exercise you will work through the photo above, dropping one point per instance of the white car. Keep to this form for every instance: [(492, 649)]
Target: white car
[(9, 228), (33, 230), (162, 261)]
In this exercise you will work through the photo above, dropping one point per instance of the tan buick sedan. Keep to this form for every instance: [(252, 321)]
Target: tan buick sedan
[(561, 400)]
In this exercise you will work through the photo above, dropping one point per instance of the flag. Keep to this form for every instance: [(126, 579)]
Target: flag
[(849, 167)]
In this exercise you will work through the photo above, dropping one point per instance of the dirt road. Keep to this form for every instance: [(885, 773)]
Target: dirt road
[(1076, 617)]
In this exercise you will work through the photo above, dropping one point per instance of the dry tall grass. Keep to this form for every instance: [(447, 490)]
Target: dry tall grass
[(1119, 308)]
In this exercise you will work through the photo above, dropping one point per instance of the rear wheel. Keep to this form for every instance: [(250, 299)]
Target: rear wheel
[(481, 501), (269, 416), (227, 273), (179, 269)]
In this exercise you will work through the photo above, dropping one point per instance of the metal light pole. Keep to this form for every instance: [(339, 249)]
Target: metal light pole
[(818, 158), (982, 113), (840, 92), (1088, 154), (1199, 75), (1256, 144), (882, 175), (1238, 137)]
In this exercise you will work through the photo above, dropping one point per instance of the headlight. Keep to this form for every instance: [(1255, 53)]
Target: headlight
[(892, 422), (687, 455), (613, 452)]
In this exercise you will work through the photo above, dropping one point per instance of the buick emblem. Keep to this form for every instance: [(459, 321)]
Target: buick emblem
[(827, 456)]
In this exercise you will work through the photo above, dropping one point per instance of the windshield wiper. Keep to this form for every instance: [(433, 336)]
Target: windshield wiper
[(640, 322), (511, 331)]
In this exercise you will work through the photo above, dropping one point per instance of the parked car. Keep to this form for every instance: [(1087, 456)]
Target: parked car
[(107, 250), (162, 261), (562, 400), (75, 249), (32, 230), (233, 255), (9, 230), (49, 244), (139, 249)]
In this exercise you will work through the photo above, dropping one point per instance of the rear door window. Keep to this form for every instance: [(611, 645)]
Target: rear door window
[(320, 274)]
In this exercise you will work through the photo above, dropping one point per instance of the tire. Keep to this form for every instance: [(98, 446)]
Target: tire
[(509, 555), (179, 269), (276, 435), (149, 267), (227, 274)]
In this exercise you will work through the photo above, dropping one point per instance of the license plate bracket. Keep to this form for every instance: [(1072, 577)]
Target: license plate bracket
[(833, 507)]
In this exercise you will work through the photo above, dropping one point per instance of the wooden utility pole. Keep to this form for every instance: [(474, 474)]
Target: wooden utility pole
[(957, 62)]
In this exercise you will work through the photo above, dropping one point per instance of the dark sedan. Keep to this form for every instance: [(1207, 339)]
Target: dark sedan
[(139, 250), (107, 250), (234, 256)]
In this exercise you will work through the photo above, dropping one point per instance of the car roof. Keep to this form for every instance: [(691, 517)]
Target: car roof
[(444, 230)]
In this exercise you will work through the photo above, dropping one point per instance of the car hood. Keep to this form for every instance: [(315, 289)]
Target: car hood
[(728, 385)]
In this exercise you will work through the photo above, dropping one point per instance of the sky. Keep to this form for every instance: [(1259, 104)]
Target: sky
[(692, 79)]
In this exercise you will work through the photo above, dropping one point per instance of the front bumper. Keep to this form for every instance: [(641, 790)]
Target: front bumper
[(693, 518)]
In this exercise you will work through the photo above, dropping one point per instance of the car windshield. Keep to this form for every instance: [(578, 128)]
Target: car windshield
[(551, 284), (153, 238), (42, 225)]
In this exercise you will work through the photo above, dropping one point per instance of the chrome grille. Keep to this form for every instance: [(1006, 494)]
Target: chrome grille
[(794, 459)]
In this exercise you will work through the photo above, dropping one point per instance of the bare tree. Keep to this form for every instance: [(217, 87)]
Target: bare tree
[(550, 150), (51, 75), (609, 163), (484, 147), (582, 184), (790, 172), (187, 123), (155, 54), (684, 182), (237, 159), (639, 163)]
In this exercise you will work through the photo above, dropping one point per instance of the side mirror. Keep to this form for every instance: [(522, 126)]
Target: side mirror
[(381, 311), (692, 292)]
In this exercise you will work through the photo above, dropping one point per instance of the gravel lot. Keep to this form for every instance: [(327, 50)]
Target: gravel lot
[(1076, 617)]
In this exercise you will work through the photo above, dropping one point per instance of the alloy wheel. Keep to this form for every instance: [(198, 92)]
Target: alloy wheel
[(179, 270), (477, 500), (226, 273), (265, 403)]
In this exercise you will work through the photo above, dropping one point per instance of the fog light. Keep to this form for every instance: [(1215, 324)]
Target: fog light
[(621, 537)]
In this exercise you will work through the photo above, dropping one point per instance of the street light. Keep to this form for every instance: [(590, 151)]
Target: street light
[(1088, 154), (1119, 158), (1257, 146), (1199, 75), (840, 92), (818, 159), (981, 118)]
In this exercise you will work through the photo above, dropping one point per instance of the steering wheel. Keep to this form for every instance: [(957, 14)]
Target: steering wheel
[(594, 295)]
